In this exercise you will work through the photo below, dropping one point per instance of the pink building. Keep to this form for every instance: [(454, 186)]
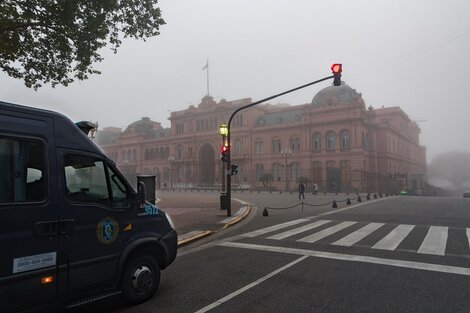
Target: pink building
[(334, 141)]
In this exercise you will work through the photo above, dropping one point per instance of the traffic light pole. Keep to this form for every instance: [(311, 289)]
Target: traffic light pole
[(228, 167)]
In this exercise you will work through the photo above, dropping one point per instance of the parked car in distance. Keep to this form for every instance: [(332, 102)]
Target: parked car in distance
[(466, 194)]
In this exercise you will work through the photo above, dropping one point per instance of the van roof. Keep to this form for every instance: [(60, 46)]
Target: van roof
[(67, 134)]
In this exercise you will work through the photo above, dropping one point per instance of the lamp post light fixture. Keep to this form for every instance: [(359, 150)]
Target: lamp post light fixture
[(286, 153), (223, 131)]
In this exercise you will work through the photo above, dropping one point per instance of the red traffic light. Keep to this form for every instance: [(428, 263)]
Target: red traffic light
[(224, 148), (337, 68)]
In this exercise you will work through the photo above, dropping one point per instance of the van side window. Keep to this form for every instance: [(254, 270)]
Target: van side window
[(22, 174), (88, 179), (118, 188)]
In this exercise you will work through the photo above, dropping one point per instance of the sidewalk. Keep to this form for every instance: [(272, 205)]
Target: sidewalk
[(197, 215)]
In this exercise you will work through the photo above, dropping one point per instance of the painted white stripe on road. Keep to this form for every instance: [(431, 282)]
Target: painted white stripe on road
[(435, 241), (266, 230), (358, 235), (355, 258), (249, 286), (394, 238), (298, 230), (326, 232), (468, 236)]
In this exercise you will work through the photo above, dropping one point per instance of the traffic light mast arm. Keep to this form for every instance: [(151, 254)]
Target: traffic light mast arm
[(228, 166)]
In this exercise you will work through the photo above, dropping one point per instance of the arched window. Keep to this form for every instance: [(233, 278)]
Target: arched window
[(317, 173), (277, 171), (259, 146), (276, 145), (179, 151), (344, 135), (345, 178), (295, 171), (294, 144), (330, 141), (316, 143), (238, 147), (259, 171)]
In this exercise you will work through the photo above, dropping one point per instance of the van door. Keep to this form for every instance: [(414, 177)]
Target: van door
[(28, 214), (98, 202)]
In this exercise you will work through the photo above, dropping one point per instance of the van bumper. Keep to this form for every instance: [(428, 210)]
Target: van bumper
[(171, 242)]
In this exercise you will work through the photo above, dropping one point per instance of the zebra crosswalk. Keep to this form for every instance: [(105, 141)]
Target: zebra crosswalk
[(376, 235)]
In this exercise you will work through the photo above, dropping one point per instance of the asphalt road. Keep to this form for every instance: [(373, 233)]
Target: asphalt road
[(400, 254)]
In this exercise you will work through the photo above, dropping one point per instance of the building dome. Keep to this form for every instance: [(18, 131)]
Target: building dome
[(337, 95)]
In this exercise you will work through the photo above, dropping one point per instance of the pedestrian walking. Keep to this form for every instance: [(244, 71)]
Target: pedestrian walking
[(301, 190)]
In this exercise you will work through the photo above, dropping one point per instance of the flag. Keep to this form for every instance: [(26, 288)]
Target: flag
[(206, 66)]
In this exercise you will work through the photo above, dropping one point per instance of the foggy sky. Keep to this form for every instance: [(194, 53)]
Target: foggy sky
[(412, 54)]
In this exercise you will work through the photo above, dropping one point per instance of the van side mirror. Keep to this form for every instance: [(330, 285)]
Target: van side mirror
[(141, 194)]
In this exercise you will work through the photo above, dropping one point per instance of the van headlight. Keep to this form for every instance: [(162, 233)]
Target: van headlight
[(170, 220)]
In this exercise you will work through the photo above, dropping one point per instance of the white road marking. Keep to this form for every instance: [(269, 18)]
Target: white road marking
[(358, 235), (249, 286), (263, 231), (394, 238), (298, 230), (468, 236), (435, 241), (326, 232), (355, 258)]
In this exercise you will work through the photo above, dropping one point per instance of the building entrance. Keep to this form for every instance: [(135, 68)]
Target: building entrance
[(206, 165)]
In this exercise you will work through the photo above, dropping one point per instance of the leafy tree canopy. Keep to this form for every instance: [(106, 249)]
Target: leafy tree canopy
[(57, 41)]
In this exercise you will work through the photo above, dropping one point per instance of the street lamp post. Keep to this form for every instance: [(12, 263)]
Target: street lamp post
[(286, 153), (223, 132), (170, 160)]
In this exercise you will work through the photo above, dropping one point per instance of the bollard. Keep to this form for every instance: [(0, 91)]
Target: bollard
[(334, 204), (375, 196), (359, 199), (381, 195), (265, 212), (368, 197), (348, 202)]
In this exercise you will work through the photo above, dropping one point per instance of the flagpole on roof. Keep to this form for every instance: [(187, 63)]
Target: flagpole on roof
[(206, 67)]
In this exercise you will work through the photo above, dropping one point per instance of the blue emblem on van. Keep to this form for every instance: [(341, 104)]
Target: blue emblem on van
[(107, 230)]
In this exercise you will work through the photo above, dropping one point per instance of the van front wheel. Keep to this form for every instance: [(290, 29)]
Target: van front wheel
[(140, 280)]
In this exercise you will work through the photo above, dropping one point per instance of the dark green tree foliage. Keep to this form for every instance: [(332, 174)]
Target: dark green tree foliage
[(57, 41)]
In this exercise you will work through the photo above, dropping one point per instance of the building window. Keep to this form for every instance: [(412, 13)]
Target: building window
[(317, 173), (259, 146), (295, 144), (276, 145), (179, 151), (344, 140), (317, 142), (345, 178), (238, 147), (259, 171), (330, 141), (330, 163), (295, 171), (277, 171)]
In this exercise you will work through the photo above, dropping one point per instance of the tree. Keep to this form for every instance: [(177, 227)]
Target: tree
[(453, 167), (57, 41)]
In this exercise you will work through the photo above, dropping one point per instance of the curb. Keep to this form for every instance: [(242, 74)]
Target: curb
[(199, 234)]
